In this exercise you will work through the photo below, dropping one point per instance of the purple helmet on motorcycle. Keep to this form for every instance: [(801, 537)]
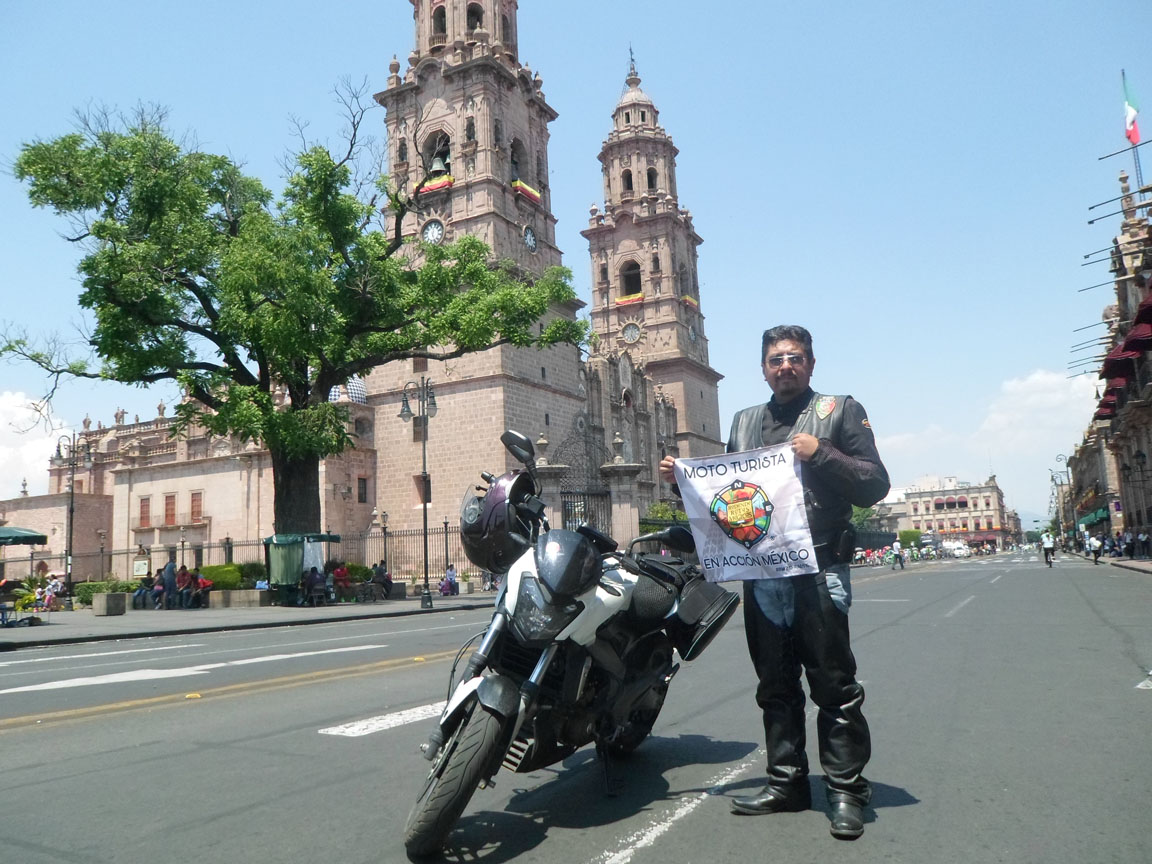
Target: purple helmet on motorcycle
[(492, 532)]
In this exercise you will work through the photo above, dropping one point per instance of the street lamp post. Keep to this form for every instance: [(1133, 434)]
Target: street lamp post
[(181, 545), (446, 562), (102, 533), (426, 407), (70, 450)]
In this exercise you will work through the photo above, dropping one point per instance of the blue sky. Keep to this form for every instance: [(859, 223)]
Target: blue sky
[(909, 180)]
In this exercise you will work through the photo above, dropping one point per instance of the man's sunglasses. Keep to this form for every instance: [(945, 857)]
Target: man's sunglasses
[(792, 360)]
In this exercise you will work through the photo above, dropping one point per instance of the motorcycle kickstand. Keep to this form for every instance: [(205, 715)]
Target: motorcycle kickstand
[(611, 788)]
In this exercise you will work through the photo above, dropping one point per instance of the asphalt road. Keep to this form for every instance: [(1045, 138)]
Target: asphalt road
[(1008, 703)]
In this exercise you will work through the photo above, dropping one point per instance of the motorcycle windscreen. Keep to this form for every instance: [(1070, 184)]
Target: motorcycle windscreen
[(567, 563)]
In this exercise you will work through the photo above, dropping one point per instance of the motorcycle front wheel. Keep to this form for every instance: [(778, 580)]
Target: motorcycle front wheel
[(468, 753)]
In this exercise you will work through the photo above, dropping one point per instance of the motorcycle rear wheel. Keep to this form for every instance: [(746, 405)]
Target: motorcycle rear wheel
[(467, 755)]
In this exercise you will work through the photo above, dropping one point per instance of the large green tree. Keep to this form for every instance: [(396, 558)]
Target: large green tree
[(194, 273)]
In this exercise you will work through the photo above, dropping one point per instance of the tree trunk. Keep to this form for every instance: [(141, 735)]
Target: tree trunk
[(296, 503)]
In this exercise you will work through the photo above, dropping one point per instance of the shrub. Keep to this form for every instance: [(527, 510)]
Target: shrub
[(252, 572), (224, 577), (83, 592), (359, 573)]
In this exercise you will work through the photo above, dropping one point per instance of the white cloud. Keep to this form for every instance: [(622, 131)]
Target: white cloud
[(26, 443), (1021, 431)]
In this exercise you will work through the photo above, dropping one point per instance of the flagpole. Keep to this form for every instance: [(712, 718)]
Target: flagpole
[(1128, 104)]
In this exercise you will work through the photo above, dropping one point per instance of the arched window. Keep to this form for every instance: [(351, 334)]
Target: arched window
[(630, 278), (519, 160), (652, 179), (475, 16), (439, 21), (505, 30), (438, 145), (626, 180)]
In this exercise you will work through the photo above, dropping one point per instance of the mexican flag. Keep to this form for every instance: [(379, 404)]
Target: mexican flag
[(1131, 109)]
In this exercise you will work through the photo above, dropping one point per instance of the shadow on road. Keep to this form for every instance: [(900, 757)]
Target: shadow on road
[(577, 796)]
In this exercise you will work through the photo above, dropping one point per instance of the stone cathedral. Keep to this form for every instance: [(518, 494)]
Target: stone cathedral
[(470, 122)]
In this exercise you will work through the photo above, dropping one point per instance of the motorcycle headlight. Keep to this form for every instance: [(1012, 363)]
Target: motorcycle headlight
[(537, 620)]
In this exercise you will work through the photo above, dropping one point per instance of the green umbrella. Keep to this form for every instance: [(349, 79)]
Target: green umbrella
[(10, 536)]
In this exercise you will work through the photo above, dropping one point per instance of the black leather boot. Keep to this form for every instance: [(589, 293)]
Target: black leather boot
[(847, 819), (771, 800)]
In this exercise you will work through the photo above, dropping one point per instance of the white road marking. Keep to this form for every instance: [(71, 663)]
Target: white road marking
[(961, 606), (997, 579), (875, 600), (1146, 684), (159, 674), (97, 654), (664, 823), (361, 728)]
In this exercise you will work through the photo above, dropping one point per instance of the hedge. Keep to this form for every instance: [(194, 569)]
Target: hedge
[(84, 591), (224, 577)]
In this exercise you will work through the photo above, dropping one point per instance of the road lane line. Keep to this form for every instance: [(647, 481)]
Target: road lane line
[(997, 579), (161, 674), (5, 663), (247, 688), (950, 614), (360, 728), (663, 824)]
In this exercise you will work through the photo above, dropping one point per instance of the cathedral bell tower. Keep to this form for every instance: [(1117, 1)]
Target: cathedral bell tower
[(470, 122), (645, 287), (467, 129)]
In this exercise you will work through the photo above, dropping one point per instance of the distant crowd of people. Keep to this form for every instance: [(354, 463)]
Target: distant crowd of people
[(1119, 545), (335, 584), (172, 588)]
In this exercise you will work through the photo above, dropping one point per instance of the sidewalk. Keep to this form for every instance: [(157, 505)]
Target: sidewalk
[(60, 628), (1141, 565)]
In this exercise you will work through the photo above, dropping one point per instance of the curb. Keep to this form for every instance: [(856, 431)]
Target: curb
[(224, 628), (1131, 565)]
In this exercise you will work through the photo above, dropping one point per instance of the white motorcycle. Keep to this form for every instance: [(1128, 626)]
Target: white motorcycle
[(580, 647)]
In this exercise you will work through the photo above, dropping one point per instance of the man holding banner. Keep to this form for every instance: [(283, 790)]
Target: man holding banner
[(776, 512)]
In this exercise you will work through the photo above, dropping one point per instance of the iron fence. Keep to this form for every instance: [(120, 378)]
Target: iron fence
[(402, 552)]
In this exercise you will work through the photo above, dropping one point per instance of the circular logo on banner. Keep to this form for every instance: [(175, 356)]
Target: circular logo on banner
[(743, 512)]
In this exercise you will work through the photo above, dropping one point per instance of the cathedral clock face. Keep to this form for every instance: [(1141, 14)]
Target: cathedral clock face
[(530, 239), (631, 332), (433, 231)]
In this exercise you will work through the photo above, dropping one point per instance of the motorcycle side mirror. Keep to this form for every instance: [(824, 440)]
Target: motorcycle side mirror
[(679, 538), (675, 537), (519, 446)]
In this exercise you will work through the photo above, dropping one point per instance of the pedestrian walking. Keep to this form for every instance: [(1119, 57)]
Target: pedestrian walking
[(897, 555)]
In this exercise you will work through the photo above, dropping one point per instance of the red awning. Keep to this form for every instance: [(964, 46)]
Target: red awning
[(1103, 412), (1139, 338), (1117, 383), (1144, 311), (1118, 362), (1109, 399)]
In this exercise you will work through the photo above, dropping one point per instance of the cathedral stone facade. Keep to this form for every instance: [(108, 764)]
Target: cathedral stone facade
[(467, 130)]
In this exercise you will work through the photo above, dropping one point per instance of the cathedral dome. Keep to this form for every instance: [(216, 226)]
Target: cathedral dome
[(353, 390), (634, 95)]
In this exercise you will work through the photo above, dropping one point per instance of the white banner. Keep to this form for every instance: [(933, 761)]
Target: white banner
[(746, 511)]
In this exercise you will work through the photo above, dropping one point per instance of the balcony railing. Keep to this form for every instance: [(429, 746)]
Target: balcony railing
[(438, 39), (180, 520)]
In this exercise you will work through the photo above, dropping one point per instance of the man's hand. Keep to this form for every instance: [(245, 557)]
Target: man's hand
[(666, 472), (804, 446)]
